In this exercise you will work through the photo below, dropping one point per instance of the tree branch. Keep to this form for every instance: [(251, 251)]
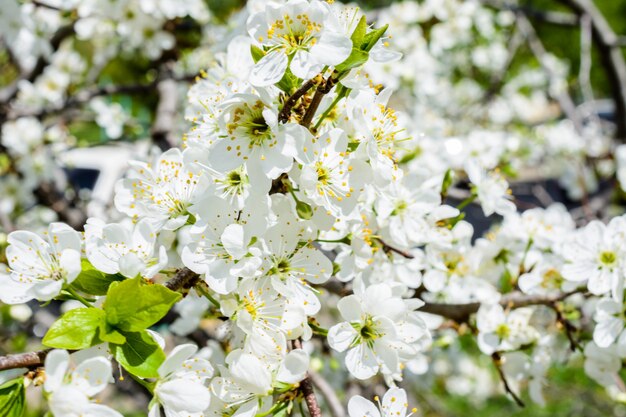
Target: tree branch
[(184, 279), (323, 89), (23, 360), (462, 312), (608, 44), (283, 116)]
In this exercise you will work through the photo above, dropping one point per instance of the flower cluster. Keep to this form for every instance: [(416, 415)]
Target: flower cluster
[(308, 208)]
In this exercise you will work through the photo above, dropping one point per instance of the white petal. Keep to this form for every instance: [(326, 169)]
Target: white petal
[(607, 331), (57, 362), (92, 375), (332, 48), (184, 395), (394, 402), (360, 407), (294, 367), (176, 358), (233, 239), (269, 70)]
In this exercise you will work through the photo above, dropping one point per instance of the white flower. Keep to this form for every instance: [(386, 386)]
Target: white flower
[(71, 389), (378, 332), (182, 387), (328, 176), (609, 325), (596, 256), (603, 364), (492, 190), (292, 264), (265, 316), (249, 133), (501, 331), (220, 246), (409, 217), (109, 116), (377, 132), (248, 381), (38, 268), (115, 247), (162, 194), (22, 135), (302, 35), (394, 405)]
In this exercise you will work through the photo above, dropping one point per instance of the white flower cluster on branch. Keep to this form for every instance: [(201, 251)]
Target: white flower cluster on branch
[(306, 217)]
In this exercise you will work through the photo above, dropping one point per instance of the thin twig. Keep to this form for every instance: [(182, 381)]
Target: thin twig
[(569, 328), (389, 248), (329, 394), (323, 89), (497, 361), (537, 48), (611, 56), (285, 112)]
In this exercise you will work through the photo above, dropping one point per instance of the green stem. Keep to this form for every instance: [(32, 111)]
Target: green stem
[(466, 202), (345, 239), (301, 407), (208, 296), (330, 108), (318, 329), (275, 409), (78, 297)]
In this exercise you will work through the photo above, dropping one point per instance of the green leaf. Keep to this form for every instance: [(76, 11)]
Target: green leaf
[(289, 82), (359, 33), (76, 329), (356, 59), (92, 281), (110, 334), (132, 305), (371, 38), (257, 53), (12, 398), (448, 179), (140, 355)]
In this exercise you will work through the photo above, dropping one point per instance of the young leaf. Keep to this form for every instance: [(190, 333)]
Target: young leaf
[(76, 329), (371, 38), (359, 32), (257, 53), (12, 395), (133, 305), (356, 59), (140, 355), (92, 281)]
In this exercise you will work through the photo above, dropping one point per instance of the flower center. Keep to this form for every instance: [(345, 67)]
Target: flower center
[(503, 331), (608, 258), (281, 267)]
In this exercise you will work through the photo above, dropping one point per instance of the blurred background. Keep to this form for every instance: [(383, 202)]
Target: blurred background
[(86, 86)]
